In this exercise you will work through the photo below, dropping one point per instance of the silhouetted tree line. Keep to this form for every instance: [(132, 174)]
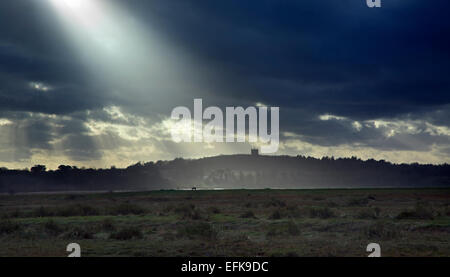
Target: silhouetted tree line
[(234, 171), (71, 178)]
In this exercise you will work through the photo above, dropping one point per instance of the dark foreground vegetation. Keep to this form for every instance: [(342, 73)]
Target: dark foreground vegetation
[(235, 171), (405, 222)]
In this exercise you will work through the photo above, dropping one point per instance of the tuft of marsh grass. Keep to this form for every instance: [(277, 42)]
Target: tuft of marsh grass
[(202, 230), (323, 213), (285, 228), (108, 225), (127, 233), (214, 210), (248, 214), (188, 212), (369, 213), (358, 202), (381, 230), (126, 209), (52, 227), (79, 232), (421, 211), (275, 203)]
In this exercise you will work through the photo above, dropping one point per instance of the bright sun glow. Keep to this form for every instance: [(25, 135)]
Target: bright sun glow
[(84, 13), (77, 4)]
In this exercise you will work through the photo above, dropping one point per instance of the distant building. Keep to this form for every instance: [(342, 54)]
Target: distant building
[(255, 152)]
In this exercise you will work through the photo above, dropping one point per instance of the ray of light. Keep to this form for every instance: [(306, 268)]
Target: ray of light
[(121, 51), (129, 58)]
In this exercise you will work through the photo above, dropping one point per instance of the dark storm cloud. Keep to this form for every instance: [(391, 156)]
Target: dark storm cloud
[(33, 41), (326, 56), (34, 48), (317, 57), (65, 99)]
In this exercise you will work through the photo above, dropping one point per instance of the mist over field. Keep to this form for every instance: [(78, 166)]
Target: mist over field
[(229, 172)]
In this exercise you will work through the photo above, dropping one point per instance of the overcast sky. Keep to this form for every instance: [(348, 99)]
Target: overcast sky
[(93, 83)]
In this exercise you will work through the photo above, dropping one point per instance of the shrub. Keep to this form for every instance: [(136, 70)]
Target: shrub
[(8, 227), (276, 215), (358, 202), (292, 208), (188, 211), (16, 214), (127, 234), (196, 215), (126, 209), (369, 213), (169, 208), (381, 230), (79, 233), (323, 213), (184, 209), (43, 212), (200, 229), (276, 203), (292, 254), (421, 211), (273, 232), (293, 229), (248, 205), (214, 210), (248, 214), (12, 214), (108, 225), (77, 210), (282, 229), (292, 211), (87, 210), (332, 204), (52, 227)]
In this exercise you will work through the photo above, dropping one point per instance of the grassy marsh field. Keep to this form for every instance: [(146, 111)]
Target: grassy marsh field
[(405, 222)]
